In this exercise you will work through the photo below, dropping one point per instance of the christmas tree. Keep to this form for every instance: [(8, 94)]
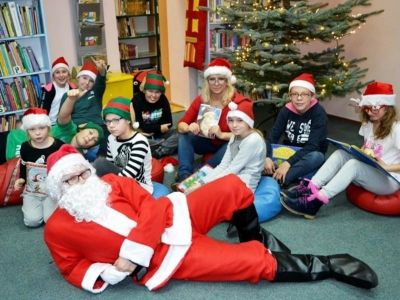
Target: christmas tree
[(276, 33)]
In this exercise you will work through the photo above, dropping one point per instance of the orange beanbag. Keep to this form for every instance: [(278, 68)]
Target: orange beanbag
[(9, 172), (379, 204)]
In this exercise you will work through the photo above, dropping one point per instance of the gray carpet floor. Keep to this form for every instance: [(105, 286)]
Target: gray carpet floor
[(27, 270)]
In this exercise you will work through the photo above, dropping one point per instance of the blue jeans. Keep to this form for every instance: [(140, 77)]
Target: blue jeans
[(188, 145), (305, 167)]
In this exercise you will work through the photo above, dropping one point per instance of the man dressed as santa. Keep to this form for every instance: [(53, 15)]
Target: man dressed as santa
[(107, 229)]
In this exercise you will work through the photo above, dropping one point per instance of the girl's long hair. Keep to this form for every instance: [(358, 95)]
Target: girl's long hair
[(386, 123), (228, 94)]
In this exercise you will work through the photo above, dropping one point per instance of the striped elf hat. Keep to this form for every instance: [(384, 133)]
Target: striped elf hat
[(154, 81), (121, 107)]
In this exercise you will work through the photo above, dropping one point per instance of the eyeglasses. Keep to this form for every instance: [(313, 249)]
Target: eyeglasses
[(301, 95), (75, 179), (372, 109), (112, 121), (215, 80)]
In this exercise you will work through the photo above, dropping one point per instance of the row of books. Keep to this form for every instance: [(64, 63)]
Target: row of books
[(16, 59), (9, 122), (220, 40), (126, 67), (18, 20), (20, 93), (127, 51), (132, 7), (126, 27)]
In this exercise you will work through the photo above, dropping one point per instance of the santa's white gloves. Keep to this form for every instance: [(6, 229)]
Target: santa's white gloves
[(112, 276)]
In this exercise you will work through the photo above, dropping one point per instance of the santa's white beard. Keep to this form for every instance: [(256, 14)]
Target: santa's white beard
[(86, 201)]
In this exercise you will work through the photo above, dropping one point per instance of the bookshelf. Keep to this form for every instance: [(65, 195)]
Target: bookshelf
[(24, 58), (138, 34)]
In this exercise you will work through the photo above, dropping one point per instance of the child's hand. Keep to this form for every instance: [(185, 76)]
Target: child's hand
[(214, 131), (165, 127), (19, 184), (100, 65), (269, 166), (75, 94)]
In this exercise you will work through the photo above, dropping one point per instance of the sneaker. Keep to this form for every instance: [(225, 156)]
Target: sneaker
[(301, 206), (297, 191)]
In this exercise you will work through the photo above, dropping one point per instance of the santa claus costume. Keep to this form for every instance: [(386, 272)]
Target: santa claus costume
[(167, 238)]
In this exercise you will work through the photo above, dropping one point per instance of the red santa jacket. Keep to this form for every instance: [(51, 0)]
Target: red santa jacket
[(151, 233)]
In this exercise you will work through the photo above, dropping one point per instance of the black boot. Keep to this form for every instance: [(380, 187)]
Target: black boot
[(342, 267), (248, 229)]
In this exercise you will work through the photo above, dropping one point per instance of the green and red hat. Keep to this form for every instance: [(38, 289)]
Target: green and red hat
[(119, 106), (154, 81)]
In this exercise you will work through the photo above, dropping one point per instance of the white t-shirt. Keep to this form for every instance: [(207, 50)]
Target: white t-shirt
[(55, 104), (387, 149)]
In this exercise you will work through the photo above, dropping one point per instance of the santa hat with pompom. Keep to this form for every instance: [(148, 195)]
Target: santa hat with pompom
[(242, 110), (35, 116), (305, 80), (378, 93), (88, 69), (220, 66), (60, 163), (58, 63)]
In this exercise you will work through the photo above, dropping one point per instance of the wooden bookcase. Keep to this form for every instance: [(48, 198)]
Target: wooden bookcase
[(24, 58)]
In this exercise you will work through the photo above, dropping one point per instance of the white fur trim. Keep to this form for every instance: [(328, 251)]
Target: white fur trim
[(116, 222), (88, 73), (135, 125), (304, 84), (91, 276), (389, 100), (58, 66), (232, 105), (218, 70), (33, 120), (138, 253), (241, 115), (65, 162)]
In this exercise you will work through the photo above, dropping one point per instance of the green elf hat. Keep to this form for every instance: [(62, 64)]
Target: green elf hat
[(155, 81), (121, 107), (91, 125)]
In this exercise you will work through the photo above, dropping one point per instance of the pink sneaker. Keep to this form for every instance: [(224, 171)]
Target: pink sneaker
[(316, 194)]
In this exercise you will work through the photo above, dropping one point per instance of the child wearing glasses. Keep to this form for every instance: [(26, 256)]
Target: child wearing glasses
[(128, 151), (303, 123), (37, 205), (381, 132)]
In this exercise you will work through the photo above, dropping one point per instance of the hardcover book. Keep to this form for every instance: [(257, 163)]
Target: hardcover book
[(195, 180), (207, 117), (281, 153)]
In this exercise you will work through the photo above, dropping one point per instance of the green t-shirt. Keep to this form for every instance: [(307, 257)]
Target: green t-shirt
[(16, 137)]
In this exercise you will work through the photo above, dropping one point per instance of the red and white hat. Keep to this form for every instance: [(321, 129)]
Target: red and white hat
[(61, 163), (242, 110), (378, 93), (220, 66), (58, 63), (305, 80), (35, 116), (88, 69)]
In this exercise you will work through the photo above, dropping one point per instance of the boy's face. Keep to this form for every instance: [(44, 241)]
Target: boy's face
[(300, 98), (152, 96), (38, 134), (87, 138), (85, 82), (61, 77)]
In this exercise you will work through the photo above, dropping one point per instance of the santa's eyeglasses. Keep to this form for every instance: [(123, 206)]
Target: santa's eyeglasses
[(373, 108), (75, 179)]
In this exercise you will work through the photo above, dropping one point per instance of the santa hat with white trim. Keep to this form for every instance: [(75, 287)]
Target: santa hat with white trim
[(58, 63), (305, 80), (35, 116), (242, 110), (60, 163), (220, 66), (378, 93), (88, 69)]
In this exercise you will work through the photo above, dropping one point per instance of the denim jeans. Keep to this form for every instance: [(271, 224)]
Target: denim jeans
[(305, 167), (189, 145)]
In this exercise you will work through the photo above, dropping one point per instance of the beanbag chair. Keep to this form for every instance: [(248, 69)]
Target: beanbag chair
[(9, 172), (157, 170), (266, 199), (160, 190), (379, 204)]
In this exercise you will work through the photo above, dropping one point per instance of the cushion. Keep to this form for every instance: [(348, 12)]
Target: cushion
[(266, 199), (379, 204), (9, 171), (157, 170)]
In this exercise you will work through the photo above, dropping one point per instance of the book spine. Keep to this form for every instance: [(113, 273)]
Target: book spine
[(14, 17), (7, 19), (4, 54)]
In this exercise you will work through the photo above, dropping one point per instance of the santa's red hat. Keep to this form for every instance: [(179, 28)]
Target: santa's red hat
[(378, 93), (305, 80), (88, 69), (58, 63), (242, 110), (35, 116), (60, 163), (220, 66)]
